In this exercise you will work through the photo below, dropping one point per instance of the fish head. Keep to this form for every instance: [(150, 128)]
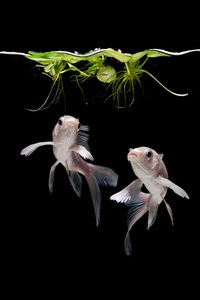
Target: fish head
[(146, 162), (66, 125)]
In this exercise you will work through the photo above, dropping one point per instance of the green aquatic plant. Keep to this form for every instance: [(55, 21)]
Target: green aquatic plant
[(120, 71), (97, 64), (124, 84), (53, 70)]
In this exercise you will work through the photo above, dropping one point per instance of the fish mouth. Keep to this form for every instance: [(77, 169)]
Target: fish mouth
[(131, 155)]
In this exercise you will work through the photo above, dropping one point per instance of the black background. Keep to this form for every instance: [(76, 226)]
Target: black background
[(50, 243)]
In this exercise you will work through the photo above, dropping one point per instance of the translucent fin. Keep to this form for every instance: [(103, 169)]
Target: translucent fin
[(84, 128), (170, 212), (153, 208), (99, 176), (31, 148), (83, 137), (82, 151), (104, 176), (137, 208), (76, 182), (51, 176), (177, 189), (128, 193), (96, 196), (127, 244)]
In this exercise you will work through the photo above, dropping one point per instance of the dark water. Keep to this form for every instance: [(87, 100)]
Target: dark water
[(51, 242)]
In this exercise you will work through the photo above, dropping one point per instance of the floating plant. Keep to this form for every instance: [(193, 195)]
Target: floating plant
[(100, 64)]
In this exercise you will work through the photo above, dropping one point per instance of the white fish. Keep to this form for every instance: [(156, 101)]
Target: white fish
[(70, 145), (150, 169)]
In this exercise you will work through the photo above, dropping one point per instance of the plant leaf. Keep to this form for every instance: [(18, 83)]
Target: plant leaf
[(106, 74), (49, 57), (137, 56), (117, 55), (152, 53)]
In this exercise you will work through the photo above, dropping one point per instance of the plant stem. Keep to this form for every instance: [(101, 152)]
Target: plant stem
[(127, 68)]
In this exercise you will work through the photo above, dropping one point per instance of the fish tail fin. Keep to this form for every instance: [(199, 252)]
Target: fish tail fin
[(137, 208), (99, 176), (96, 196)]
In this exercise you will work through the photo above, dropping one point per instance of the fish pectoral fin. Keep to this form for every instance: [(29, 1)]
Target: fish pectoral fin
[(51, 176), (177, 189), (129, 193), (82, 151), (31, 148)]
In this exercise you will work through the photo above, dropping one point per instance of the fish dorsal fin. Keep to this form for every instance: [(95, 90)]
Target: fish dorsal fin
[(161, 155), (83, 137)]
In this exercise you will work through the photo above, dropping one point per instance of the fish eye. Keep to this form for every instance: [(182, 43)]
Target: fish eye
[(60, 122), (149, 154)]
